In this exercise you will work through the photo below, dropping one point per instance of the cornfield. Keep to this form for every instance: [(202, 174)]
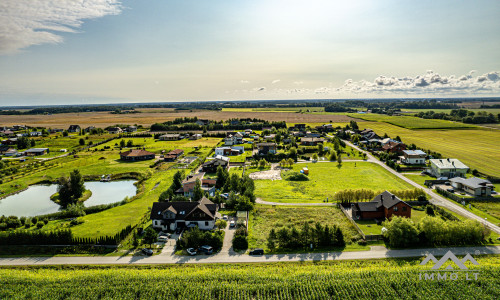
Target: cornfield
[(378, 279)]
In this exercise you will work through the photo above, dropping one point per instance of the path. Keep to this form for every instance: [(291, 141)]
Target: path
[(435, 199), (232, 257), (260, 201)]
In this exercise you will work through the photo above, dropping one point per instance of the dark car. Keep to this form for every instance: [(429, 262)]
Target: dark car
[(207, 249), (191, 251), (257, 251), (147, 251)]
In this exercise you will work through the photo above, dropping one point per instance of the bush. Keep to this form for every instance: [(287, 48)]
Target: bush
[(196, 238), (362, 242), (240, 242), (401, 232), (295, 176), (241, 231), (40, 224)]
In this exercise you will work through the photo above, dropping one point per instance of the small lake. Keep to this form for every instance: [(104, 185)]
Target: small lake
[(36, 199)]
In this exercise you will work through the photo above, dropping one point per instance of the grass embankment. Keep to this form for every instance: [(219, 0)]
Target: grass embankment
[(86, 195), (326, 179), (382, 279), (264, 218), (477, 148)]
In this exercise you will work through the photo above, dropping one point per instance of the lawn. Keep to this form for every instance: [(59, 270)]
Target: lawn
[(326, 179), (157, 146), (477, 148), (265, 217), (491, 210), (418, 178), (370, 227), (412, 122)]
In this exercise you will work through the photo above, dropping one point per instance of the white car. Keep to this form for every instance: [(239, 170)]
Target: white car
[(163, 238), (225, 217), (232, 223)]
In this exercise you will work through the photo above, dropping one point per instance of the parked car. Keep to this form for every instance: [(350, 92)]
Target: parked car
[(191, 251), (147, 251), (232, 224), (163, 238), (207, 249), (178, 230), (225, 217), (257, 251), (451, 190)]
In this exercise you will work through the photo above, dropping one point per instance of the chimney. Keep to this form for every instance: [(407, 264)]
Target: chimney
[(393, 197)]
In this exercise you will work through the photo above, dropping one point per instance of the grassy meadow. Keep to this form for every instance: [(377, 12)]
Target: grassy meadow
[(326, 179), (264, 217), (410, 122)]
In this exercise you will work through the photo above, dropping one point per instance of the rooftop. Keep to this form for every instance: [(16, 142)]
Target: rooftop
[(449, 163)]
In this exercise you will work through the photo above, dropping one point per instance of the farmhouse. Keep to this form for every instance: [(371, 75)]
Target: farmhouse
[(383, 206), (265, 148), (170, 137), (413, 157), (449, 168), (173, 155), (473, 186), (202, 122), (36, 151), (311, 141), (136, 155), (212, 165), (115, 130), (74, 128), (394, 147), (173, 215)]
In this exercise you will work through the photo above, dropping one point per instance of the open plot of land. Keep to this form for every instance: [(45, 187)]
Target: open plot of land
[(412, 122), (277, 109), (264, 217), (477, 148), (476, 110), (104, 119), (157, 146), (370, 227), (326, 179)]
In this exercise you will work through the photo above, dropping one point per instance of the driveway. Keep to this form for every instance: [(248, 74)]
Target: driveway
[(169, 246), (227, 246)]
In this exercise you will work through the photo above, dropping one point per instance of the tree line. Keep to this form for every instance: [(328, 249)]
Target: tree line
[(318, 236)]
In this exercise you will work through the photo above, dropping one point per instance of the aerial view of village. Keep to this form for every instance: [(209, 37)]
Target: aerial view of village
[(134, 167)]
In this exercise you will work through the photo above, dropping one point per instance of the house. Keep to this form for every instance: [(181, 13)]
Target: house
[(188, 185), (131, 128), (311, 141), (5, 148), (368, 134), (115, 130), (172, 215), (300, 127), (11, 141), (211, 166), (54, 130), (74, 128), (35, 133), (387, 140), (413, 157), (325, 128), (229, 151), (173, 155), (270, 138), (170, 137), (233, 138), (473, 186), (36, 151), (265, 148), (448, 168), (383, 206), (11, 152), (202, 122), (6, 132), (136, 155), (89, 129), (195, 136), (394, 147)]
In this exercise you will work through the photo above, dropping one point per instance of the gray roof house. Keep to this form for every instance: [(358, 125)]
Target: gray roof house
[(473, 186), (449, 168)]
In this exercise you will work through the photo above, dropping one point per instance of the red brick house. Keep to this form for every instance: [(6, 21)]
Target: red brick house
[(383, 206), (394, 147)]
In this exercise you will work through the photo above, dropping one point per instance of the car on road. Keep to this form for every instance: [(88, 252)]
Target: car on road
[(257, 251), (207, 249), (232, 224), (147, 251), (162, 238), (191, 251), (225, 217)]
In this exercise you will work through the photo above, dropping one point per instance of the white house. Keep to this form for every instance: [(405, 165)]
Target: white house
[(229, 151), (413, 157), (183, 214), (115, 130), (450, 168), (473, 186)]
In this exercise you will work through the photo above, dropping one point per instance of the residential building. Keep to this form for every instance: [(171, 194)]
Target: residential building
[(473, 186), (131, 128), (115, 130), (173, 155), (5, 148), (229, 151), (394, 147), (170, 137), (202, 122), (266, 148), (211, 166), (413, 157), (74, 128), (36, 151), (183, 214), (311, 141), (196, 136), (136, 155), (233, 138), (448, 168), (383, 206)]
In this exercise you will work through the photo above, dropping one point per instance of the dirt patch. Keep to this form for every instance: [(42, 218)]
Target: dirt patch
[(273, 174)]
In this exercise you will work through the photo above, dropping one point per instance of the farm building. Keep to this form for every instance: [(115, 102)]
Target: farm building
[(173, 215), (170, 137), (36, 151), (136, 155), (473, 186), (74, 128), (413, 157), (382, 206), (449, 168), (196, 136)]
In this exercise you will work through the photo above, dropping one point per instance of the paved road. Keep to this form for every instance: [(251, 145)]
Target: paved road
[(229, 257), (435, 199)]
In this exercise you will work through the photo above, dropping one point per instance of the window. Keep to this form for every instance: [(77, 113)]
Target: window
[(404, 208), (395, 209), (206, 223)]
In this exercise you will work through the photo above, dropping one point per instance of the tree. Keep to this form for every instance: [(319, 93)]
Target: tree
[(122, 143), (339, 159), (166, 195), (262, 163), (81, 142), (65, 133), (221, 224), (149, 236), (77, 184), (315, 156), (401, 232), (70, 190), (222, 176), (240, 242), (130, 143), (197, 192), (293, 152), (271, 239), (333, 156), (290, 162), (177, 180), (320, 148)]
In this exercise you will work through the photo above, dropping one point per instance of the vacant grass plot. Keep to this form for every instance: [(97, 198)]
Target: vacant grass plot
[(277, 109), (412, 122), (157, 146), (490, 208), (370, 226), (326, 179), (263, 218), (477, 148)]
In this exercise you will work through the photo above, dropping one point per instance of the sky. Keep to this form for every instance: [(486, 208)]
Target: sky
[(106, 51)]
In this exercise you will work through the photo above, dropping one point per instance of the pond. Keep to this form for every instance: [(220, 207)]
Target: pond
[(36, 199)]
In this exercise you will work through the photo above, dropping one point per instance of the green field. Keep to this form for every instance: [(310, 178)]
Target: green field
[(374, 279), (477, 148), (264, 217), (476, 110), (370, 227), (276, 109), (418, 178), (411, 122), (326, 179), (157, 146)]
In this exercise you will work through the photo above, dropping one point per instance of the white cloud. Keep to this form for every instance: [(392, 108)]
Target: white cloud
[(244, 81), (24, 23), (275, 81)]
